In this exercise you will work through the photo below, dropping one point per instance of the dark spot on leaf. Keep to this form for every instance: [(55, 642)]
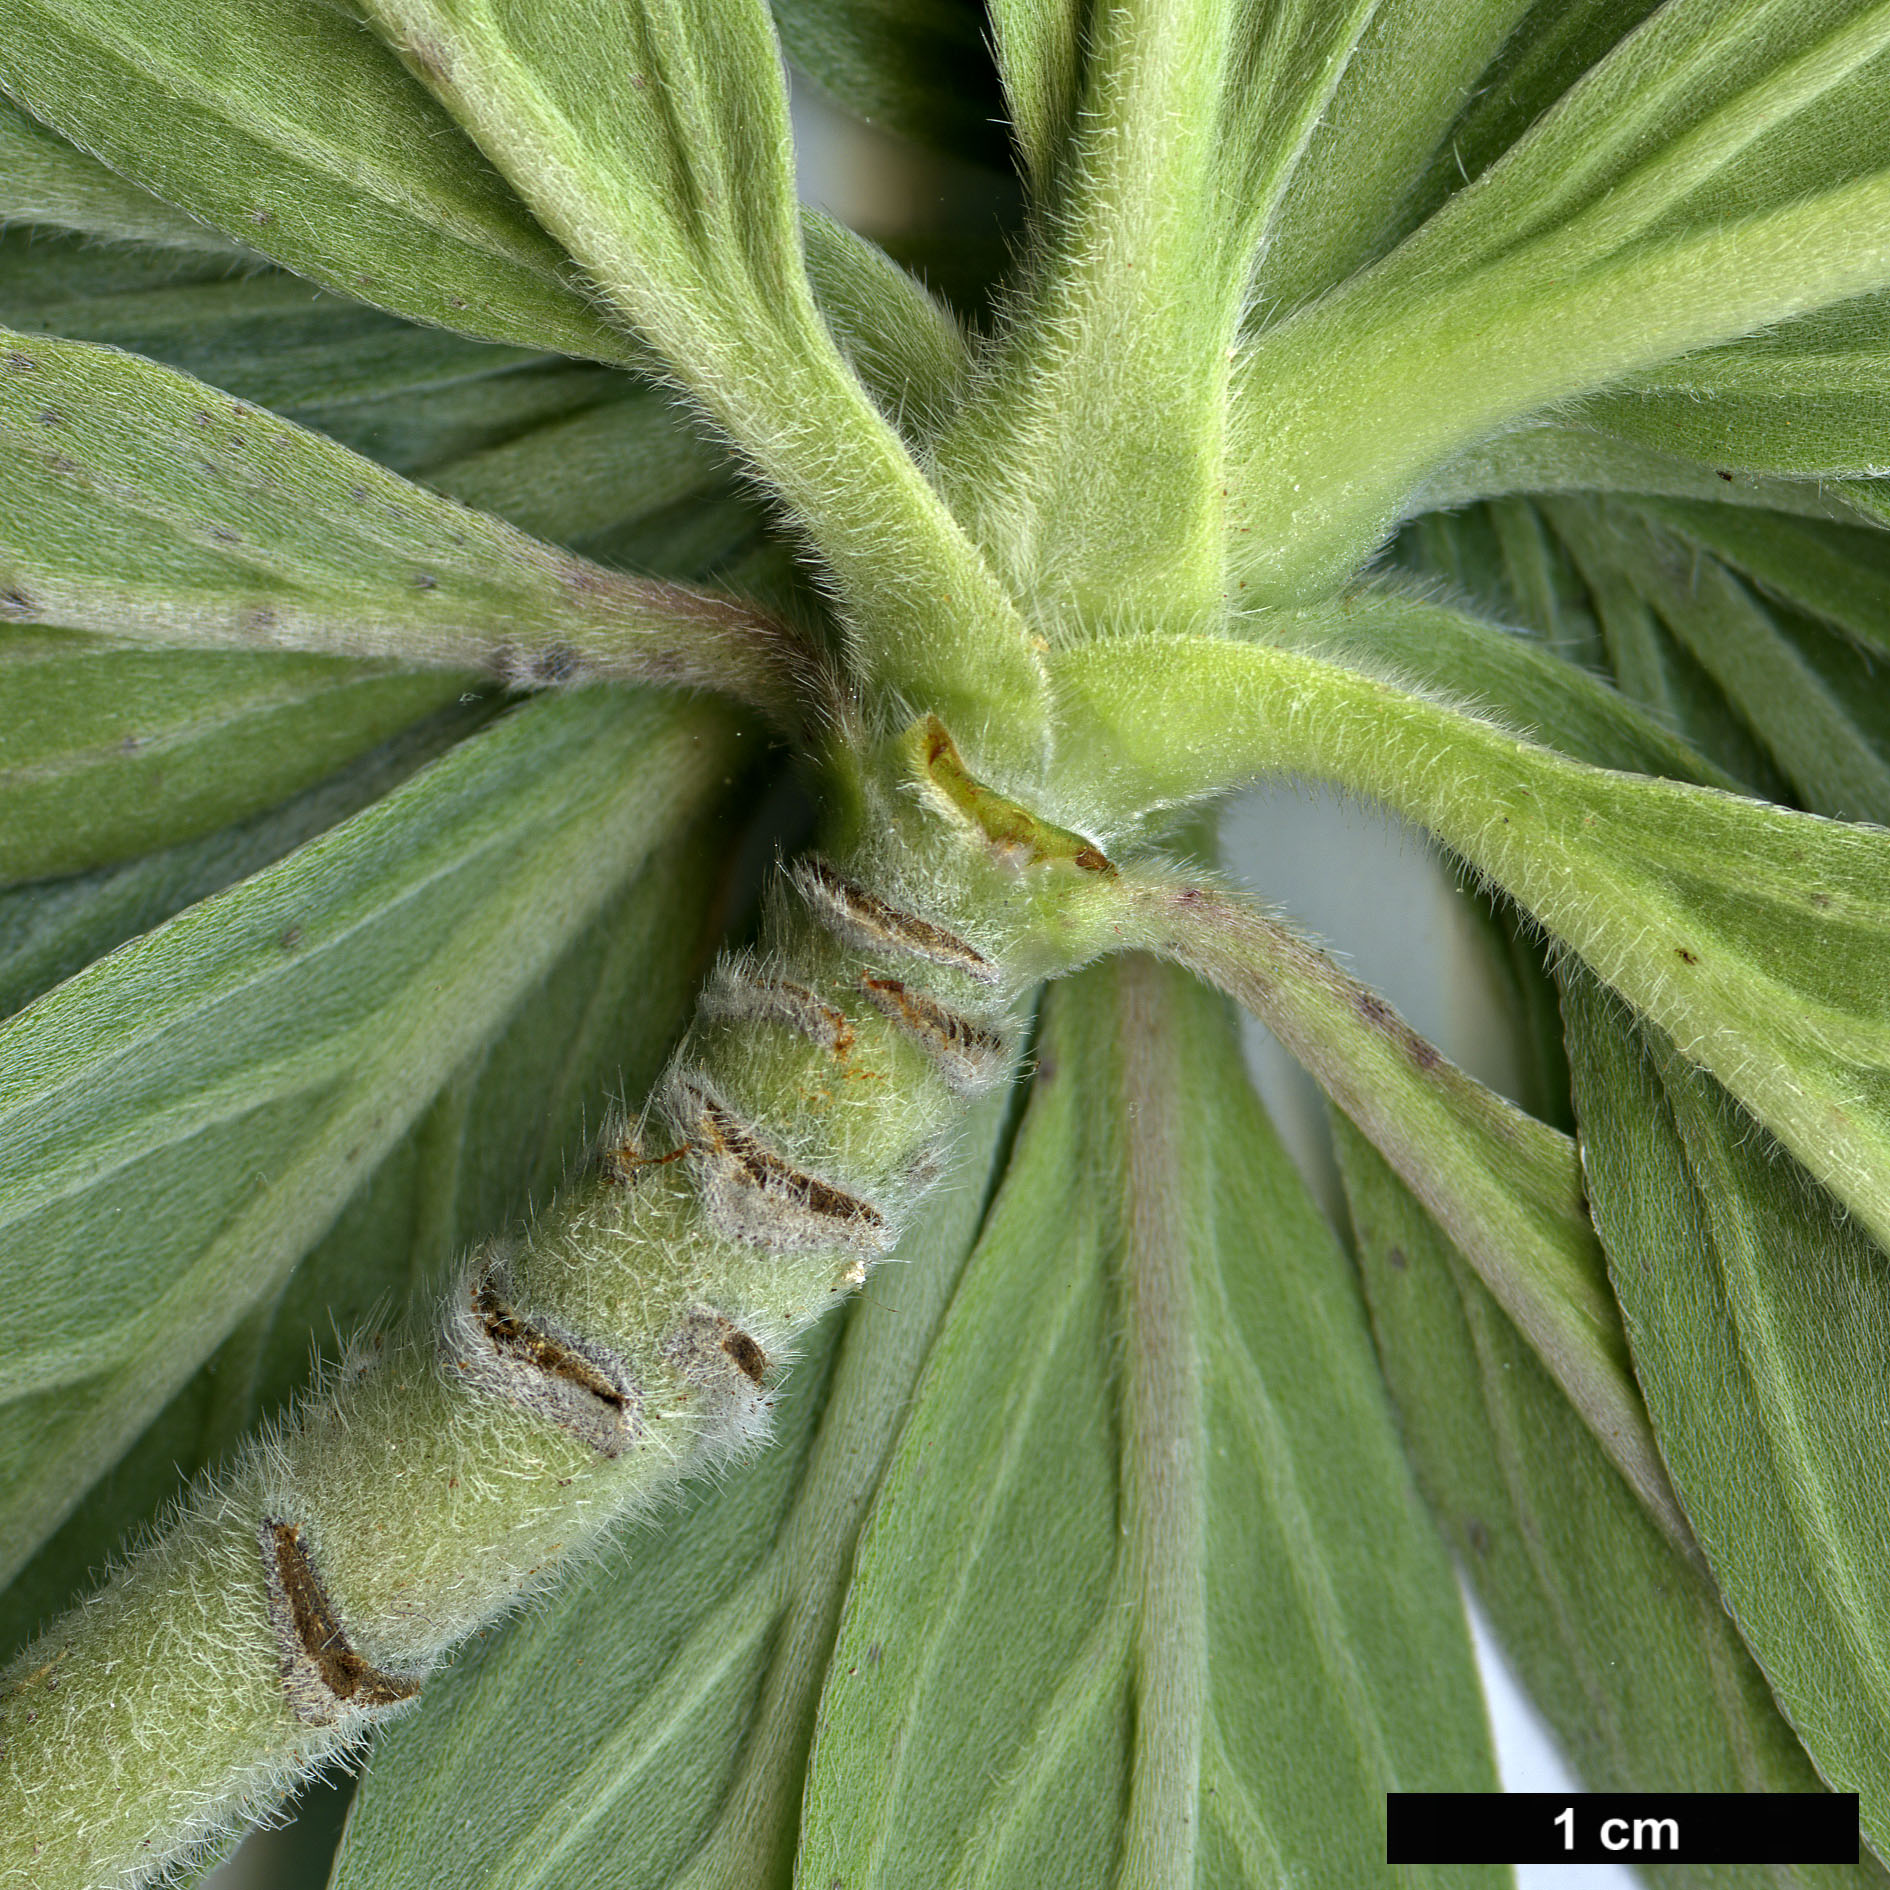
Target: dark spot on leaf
[(557, 664), (1094, 860), (1820, 900), (358, 494), (260, 215), (16, 604), (425, 581), (131, 744), (1477, 1536), (51, 417), (1685, 956), (1727, 477), (22, 364), (750, 1360), (204, 419), (259, 622), (1046, 1068), (223, 535), (59, 463), (1395, 1255), (291, 938)]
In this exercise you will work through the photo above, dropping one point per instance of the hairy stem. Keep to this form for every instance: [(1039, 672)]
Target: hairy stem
[(566, 1375)]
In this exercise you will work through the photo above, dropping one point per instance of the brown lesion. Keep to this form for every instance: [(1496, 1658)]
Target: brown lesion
[(750, 1360), (969, 1053), (875, 924), (622, 1163), (771, 1173), (321, 1672), (511, 1335)]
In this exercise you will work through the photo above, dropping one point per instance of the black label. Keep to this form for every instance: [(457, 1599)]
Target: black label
[(1621, 1827)]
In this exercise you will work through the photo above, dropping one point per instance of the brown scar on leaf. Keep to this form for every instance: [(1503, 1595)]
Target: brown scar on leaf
[(1382, 1017), (580, 1385), (862, 919), (969, 1055), (322, 1675), (1685, 956), (739, 991), (622, 1163), (721, 1361), (752, 1193)]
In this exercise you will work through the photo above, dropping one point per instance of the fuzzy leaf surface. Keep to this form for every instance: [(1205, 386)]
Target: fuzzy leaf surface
[(1757, 1314), (654, 142), (136, 501), (240, 1071), (1147, 1497), (107, 752), (1621, 1641), (288, 123), (1721, 170), (497, 1138), (1754, 935)]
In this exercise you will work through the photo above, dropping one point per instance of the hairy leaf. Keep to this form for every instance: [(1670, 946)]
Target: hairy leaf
[(286, 121), (655, 144), (1145, 1595), (134, 500), (650, 1728), (1810, 729), (1757, 1314), (238, 1072), (494, 1141), (107, 752), (1722, 169), (43, 179), (1623, 1644), (1388, 632), (1507, 1187), (1758, 937)]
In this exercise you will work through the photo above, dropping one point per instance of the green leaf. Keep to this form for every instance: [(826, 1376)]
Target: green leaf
[(1508, 1188), (1758, 937), (1717, 173), (1650, 665), (107, 752), (136, 501), (1040, 63), (43, 179), (918, 67), (1146, 1595), (1620, 1641), (1811, 729), (655, 143), (287, 122), (1388, 631), (1812, 399), (1837, 572), (650, 1727), (1757, 1313), (1089, 457), (1586, 453), (497, 1138), (271, 339), (1414, 65), (238, 1072)]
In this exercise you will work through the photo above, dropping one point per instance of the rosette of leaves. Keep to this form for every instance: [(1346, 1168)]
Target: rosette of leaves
[(447, 480)]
